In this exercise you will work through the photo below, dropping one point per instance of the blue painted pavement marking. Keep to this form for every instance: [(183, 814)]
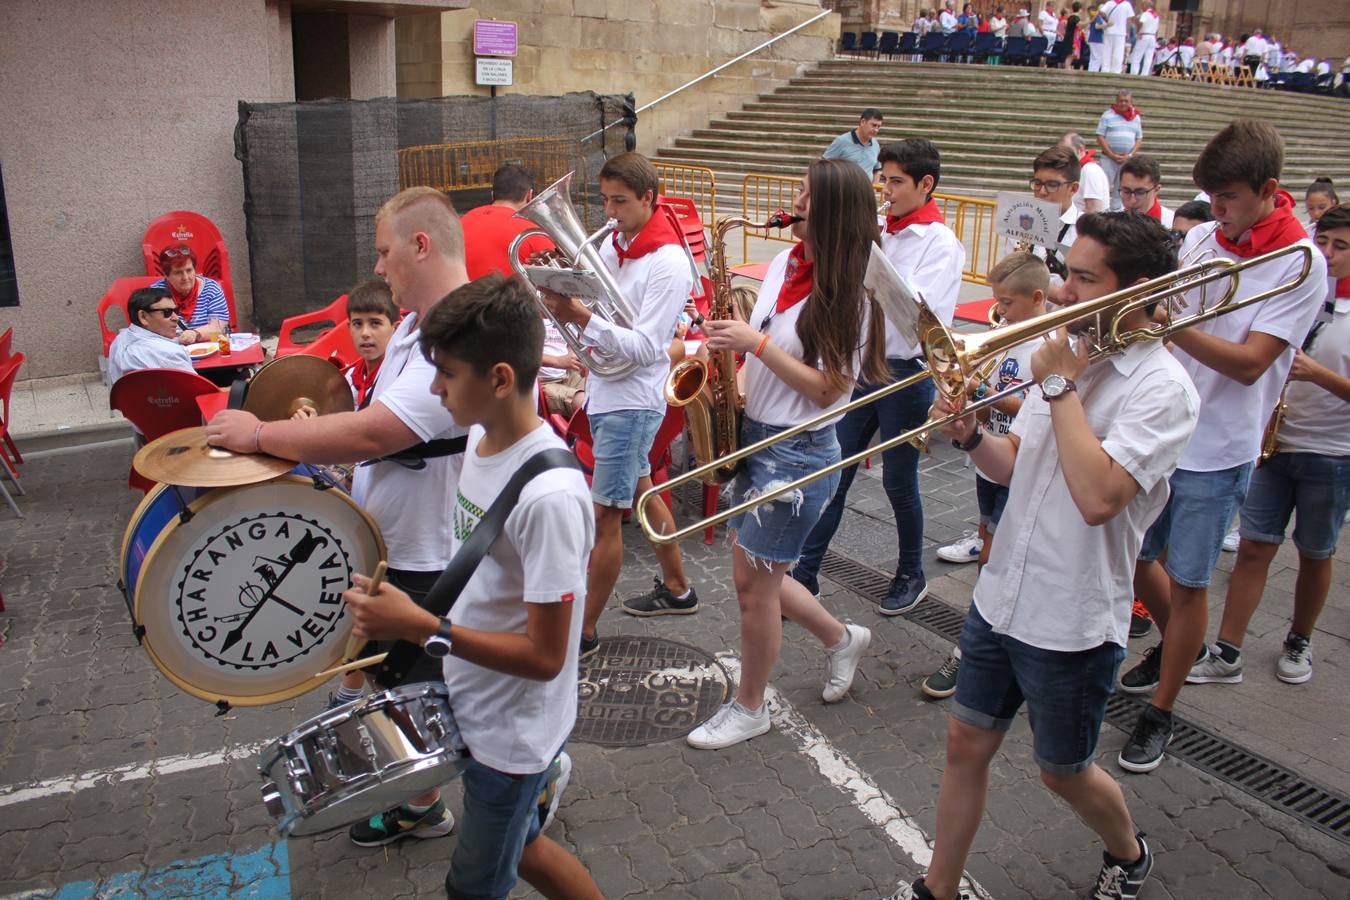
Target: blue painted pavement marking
[(262, 874)]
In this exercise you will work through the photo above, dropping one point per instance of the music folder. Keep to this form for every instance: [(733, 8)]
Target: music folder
[(900, 302), (583, 284)]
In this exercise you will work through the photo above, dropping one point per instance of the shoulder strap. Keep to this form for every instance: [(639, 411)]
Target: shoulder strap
[(457, 574)]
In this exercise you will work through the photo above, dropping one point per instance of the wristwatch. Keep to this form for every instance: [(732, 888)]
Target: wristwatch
[(1055, 386), (438, 645), (972, 442)]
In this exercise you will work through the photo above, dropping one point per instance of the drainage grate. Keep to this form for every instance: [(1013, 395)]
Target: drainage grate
[(637, 690), (1275, 785)]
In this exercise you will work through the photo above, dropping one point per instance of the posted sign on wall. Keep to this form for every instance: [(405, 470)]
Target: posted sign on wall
[(494, 72), (493, 38)]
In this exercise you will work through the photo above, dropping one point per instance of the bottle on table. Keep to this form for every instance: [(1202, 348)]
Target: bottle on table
[(223, 340)]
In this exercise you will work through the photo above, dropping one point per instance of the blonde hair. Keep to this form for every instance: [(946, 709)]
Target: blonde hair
[(1020, 273), (429, 211)]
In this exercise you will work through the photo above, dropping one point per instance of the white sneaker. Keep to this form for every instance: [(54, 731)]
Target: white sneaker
[(1212, 669), (730, 725), (843, 662), (1230, 541), (1295, 665), (966, 550)]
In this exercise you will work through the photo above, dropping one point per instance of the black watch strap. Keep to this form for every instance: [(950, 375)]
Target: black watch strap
[(972, 443)]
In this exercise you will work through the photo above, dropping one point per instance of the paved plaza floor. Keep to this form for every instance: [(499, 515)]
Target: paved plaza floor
[(114, 783)]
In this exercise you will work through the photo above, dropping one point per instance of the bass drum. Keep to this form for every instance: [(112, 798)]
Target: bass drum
[(239, 601), (349, 763)]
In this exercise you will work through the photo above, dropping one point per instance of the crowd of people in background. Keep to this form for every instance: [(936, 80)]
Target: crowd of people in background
[(1122, 37)]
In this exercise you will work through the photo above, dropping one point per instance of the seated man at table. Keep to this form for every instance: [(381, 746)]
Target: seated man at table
[(200, 300), (150, 341)]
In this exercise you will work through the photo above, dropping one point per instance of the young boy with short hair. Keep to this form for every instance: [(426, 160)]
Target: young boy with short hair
[(1238, 362), (510, 644), (1020, 282)]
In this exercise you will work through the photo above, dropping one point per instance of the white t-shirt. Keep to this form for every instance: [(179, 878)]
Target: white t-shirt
[(1317, 421), (1148, 23), (1093, 185), (657, 286), (1053, 581), (1049, 24), (1257, 46), (1015, 368), (947, 21), (930, 257), (1118, 16), (767, 398), (554, 345), (516, 725), (412, 507), (999, 26), (1233, 415)]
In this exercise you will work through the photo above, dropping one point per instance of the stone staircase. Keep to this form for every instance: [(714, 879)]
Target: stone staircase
[(990, 121)]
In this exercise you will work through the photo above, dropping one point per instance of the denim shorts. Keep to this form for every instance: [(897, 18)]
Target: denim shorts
[(1065, 693), (991, 497), (501, 815), (1316, 486), (621, 441), (776, 532), (1202, 504)]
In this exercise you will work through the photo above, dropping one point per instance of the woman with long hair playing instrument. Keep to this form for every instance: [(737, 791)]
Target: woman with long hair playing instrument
[(812, 333)]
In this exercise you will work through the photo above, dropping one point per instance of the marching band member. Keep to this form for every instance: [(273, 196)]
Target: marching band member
[(809, 337)]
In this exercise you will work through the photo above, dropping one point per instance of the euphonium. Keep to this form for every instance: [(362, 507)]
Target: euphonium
[(705, 384), (557, 219)]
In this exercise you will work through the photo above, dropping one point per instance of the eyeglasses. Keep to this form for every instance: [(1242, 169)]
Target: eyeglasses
[(167, 312), (1177, 236), (1137, 193), (1038, 185)]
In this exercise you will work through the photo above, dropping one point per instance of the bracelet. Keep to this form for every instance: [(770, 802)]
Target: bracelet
[(763, 342), (972, 443), (257, 437)]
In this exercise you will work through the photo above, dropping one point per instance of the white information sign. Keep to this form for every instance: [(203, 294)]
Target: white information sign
[(1024, 218), (494, 72)]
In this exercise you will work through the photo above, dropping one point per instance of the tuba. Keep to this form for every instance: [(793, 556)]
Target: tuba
[(557, 219), (705, 384)]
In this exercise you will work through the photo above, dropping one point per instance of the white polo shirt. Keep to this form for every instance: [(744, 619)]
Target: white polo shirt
[(1053, 581), (1317, 421), (1233, 415), (930, 257), (657, 286), (1118, 16), (411, 506), (140, 348), (767, 398)]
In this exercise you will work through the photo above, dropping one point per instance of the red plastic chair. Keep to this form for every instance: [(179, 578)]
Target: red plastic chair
[(690, 224), (117, 297), (158, 401), (335, 312), (9, 372), (6, 353), (335, 345), (183, 226)]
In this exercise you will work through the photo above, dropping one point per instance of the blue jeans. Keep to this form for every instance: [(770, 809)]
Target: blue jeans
[(895, 414), (1314, 485), (501, 816), (1065, 693), (1192, 525), (991, 497)]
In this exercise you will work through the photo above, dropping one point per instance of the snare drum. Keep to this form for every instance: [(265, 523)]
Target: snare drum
[(242, 603), (352, 762)]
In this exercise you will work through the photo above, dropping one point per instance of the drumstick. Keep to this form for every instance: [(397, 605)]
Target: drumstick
[(355, 643), (354, 664)]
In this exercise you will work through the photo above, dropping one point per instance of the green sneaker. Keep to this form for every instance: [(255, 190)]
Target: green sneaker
[(400, 822), (942, 683)]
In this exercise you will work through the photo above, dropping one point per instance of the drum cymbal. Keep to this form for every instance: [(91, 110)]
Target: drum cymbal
[(184, 458), (284, 385)]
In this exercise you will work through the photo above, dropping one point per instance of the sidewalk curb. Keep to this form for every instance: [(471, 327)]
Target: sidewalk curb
[(78, 436)]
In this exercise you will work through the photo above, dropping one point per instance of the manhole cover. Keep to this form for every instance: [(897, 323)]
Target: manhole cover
[(638, 690)]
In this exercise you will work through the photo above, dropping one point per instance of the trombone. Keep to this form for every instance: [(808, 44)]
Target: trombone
[(952, 358)]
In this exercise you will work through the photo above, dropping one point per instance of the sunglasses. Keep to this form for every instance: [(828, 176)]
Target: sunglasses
[(177, 252), (167, 312)]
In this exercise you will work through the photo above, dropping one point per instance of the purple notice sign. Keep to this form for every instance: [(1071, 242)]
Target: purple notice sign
[(491, 38)]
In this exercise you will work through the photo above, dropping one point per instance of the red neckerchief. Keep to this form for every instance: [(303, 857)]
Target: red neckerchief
[(363, 378), (1155, 210), (1127, 116), (1088, 156), (1279, 229), (1189, 42), (798, 279), (661, 229), (186, 305), (927, 214), (1343, 287)]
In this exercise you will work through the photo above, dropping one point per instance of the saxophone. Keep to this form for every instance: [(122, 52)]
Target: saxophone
[(705, 384)]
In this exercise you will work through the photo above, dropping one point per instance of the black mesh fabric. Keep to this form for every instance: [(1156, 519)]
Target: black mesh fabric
[(316, 172)]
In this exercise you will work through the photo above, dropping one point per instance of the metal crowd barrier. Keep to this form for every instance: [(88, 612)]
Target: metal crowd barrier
[(698, 183)]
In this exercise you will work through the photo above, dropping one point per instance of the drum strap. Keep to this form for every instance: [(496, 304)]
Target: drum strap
[(448, 587)]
